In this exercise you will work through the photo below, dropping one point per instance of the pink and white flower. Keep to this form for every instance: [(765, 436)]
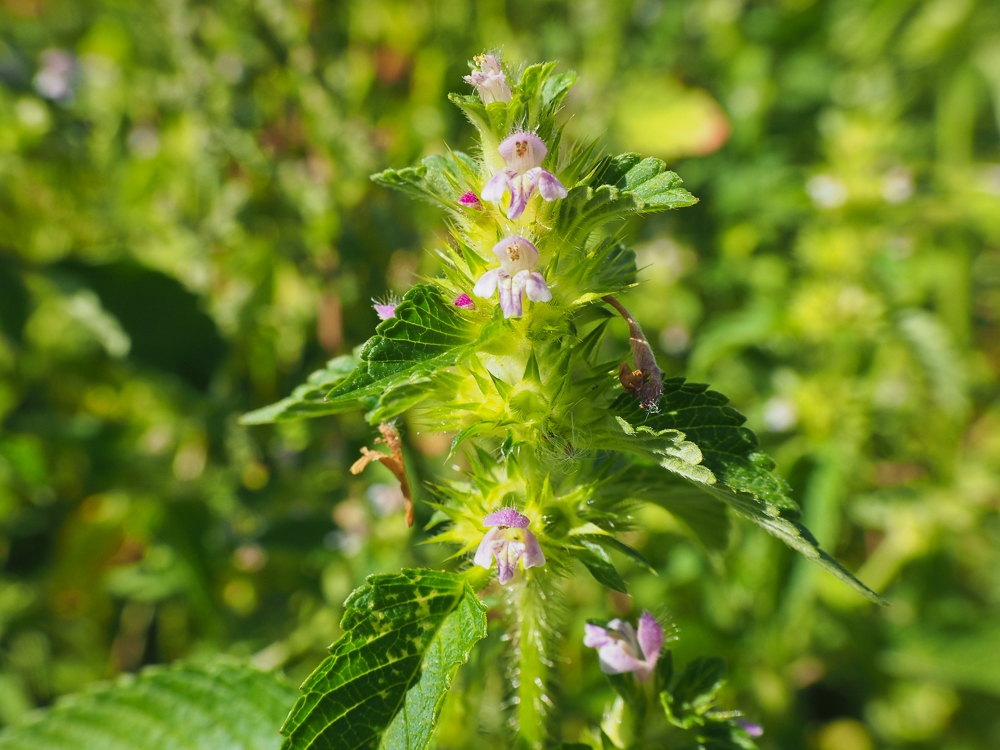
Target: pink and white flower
[(508, 541), (515, 277), (621, 648), (523, 154), (489, 81)]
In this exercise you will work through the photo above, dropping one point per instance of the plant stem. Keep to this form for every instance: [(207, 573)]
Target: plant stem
[(533, 702)]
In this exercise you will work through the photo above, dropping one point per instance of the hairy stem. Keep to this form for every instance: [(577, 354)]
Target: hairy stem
[(533, 702)]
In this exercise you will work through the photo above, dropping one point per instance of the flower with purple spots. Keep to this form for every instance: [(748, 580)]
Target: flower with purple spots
[(515, 277), (523, 154), (508, 541), (489, 81), (621, 648)]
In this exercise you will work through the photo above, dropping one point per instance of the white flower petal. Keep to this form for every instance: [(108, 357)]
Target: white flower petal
[(487, 284)]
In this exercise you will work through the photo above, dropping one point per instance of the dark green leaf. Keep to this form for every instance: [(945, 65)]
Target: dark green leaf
[(600, 565), (610, 542), (685, 705), (731, 467), (384, 682), (309, 399), (223, 705), (426, 334), (699, 682)]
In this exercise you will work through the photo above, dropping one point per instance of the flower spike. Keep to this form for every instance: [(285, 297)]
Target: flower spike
[(470, 200), (386, 308)]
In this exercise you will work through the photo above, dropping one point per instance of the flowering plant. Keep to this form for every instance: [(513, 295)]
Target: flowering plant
[(504, 352)]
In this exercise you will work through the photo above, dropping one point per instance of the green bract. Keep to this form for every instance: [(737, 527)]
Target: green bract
[(549, 427)]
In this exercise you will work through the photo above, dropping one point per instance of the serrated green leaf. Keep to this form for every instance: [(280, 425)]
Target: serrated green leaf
[(426, 334), (584, 209), (222, 705), (694, 692), (384, 682), (616, 188), (741, 475), (436, 179), (611, 170), (309, 399)]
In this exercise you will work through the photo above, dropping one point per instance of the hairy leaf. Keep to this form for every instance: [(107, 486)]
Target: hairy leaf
[(616, 188), (437, 179), (309, 399), (224, 705), (426, 334), (694, 692), (731, 467), (384, 682)]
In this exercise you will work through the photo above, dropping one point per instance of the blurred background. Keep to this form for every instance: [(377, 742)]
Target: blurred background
[(187, 229)]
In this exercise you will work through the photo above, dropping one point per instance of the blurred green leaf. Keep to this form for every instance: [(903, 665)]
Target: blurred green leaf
[(222, 705), (600, 565), (694, 692)]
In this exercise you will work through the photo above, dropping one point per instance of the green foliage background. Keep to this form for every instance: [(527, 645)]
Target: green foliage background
[(192, 231)]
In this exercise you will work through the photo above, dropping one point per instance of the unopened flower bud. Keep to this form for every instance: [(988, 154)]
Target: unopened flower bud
[(470, 200)]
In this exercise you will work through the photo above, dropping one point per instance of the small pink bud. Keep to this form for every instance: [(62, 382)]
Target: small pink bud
[(471, 200), (465, 302), (386, 308)]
